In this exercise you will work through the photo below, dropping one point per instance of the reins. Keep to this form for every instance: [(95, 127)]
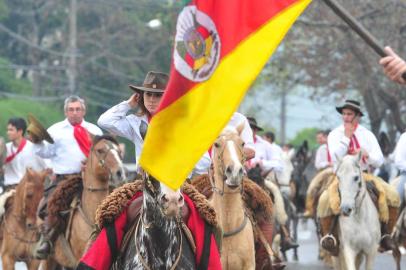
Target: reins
[(137, 249)]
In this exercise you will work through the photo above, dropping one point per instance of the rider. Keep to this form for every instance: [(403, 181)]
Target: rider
[(323, 164), (20, 154), (268, 158), (132, 126), (323, 159), (68, 152), (352, 138), (400, 162)]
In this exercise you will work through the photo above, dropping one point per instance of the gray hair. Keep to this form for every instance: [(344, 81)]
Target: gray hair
[(74, 98)]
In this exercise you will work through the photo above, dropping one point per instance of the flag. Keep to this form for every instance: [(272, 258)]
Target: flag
[(219, 49)]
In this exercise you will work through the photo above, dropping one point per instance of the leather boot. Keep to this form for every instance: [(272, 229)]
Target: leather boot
[(45, 243), (287, 241), (329, 240), (263, 259)]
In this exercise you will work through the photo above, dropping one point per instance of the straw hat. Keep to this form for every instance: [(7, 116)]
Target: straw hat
[(37, 131)]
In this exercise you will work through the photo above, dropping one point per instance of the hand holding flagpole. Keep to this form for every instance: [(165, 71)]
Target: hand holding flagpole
[(370, 40)]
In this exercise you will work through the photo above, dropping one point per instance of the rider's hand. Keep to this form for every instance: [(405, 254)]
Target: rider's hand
[(349, 130), (393, 66), (32, 138), (133, 100)]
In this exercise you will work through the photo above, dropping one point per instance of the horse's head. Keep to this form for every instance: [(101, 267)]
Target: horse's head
[(105, 160), (168, 201), (351, 186), (28, 195), (228, 157)]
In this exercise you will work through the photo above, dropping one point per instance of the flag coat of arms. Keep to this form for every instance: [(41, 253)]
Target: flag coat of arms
[(220, 47)]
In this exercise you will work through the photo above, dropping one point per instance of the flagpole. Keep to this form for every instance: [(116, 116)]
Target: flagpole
[(358, 28)]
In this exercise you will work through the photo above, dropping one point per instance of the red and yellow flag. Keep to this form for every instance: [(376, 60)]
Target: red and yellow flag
[(220, 48)]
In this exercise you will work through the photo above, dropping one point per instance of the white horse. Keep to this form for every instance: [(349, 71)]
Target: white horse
[(359, 227)]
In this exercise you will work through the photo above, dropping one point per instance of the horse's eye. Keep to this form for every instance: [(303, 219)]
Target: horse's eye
[(30, 195), (100, 151), (356, 178), (217, 145), (242, 144)]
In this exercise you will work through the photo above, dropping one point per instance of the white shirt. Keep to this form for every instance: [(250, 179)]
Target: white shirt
[(65, 154), (238, 119), (269, 154), (321, 160), (16, 168), (400, 153), (116, 121), (338, 145)]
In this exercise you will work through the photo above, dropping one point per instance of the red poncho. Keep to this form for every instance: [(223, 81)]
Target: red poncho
[(107, 245)]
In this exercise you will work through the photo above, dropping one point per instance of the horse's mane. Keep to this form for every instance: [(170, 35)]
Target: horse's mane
[(107, 137)]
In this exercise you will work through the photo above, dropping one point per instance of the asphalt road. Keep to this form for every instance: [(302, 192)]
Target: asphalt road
[(308, 254)]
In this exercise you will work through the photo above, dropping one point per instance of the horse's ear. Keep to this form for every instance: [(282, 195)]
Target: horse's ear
[(240, 128), (92, 136), (29, 172), (359, 156)]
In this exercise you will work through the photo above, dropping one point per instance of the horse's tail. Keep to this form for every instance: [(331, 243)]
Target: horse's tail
[(3, 201), (280, 213)]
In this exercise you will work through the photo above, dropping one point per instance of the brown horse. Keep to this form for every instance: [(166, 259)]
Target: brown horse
[(238, 248), (18, 227), (104, 167)]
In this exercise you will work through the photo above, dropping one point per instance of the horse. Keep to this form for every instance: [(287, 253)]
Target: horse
[(283, 182), (238, 248), (300, 182), (157, 240), (103, 167), (358, 224), (18, 227)]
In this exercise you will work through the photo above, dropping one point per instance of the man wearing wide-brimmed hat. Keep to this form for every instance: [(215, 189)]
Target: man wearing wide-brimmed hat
[(67, 144), (351, 138)]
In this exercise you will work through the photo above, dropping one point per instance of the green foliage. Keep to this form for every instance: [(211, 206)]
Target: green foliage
[(3, 10), (45, 113), (8, 82), (308, 134)]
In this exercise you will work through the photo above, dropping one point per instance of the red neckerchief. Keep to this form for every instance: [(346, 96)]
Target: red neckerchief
[(328, 154), (354, 145), (19, 149), (82, 138)]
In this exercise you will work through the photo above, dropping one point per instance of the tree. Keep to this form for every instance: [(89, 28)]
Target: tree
[(327, 57)]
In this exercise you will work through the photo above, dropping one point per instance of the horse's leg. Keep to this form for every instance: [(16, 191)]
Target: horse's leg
[(348, 257), (369, 260), (397, 256), (7, 262), (32, 264), (295, 224)]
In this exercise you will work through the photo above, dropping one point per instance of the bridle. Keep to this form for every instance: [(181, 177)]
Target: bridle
[(358, 194), (221, 192), (154, 194), (102, 162), (221, 169)]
